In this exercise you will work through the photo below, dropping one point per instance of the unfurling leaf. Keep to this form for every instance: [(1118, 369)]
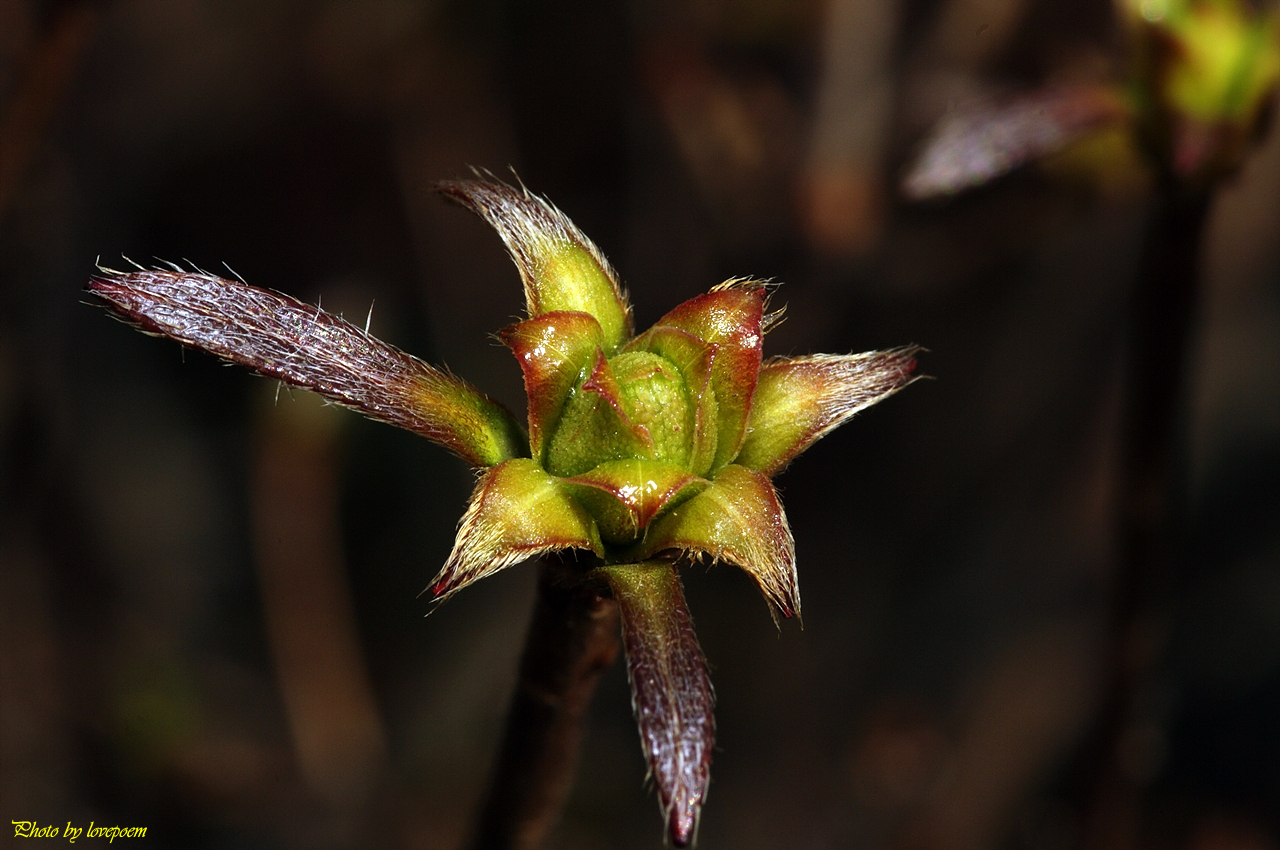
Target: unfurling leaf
[(670, 690), (799, 400), (561, 268), (596, 425), (694, 359), (641, 451), (302, 345), (625, 495), (728, 318), (517, 511), (737, 518)]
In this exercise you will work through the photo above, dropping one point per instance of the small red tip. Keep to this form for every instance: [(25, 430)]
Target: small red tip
[(681, 822)]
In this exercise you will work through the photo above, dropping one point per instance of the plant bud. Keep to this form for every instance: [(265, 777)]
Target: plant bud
[(642, 451)]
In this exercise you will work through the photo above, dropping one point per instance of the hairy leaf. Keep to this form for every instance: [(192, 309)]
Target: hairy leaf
[(561, 268), (279, 336), (517, 511), (670, 690), (799, 400), (737, 518)]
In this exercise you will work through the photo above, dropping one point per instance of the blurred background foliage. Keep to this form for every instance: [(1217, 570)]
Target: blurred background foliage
[(209, 612)]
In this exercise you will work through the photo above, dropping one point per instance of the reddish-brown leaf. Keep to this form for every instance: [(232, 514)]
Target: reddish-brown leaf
[(670, 690), (281, 337)]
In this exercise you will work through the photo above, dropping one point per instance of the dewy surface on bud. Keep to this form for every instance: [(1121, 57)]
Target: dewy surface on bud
[(643, 452)]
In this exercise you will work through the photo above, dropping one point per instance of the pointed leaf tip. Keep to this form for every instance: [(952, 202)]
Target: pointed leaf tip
[(281, 337), (738, 518), (561, 268), (799, 400), (518, 511), (670, 690)]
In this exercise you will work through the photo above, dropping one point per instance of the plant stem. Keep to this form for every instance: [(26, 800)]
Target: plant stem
[(572, 639), (1160, 330)]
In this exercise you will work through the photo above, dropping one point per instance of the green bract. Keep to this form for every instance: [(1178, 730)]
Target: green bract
[(657, 445)]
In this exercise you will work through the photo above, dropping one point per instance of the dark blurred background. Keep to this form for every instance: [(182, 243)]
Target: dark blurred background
[(209, 613)]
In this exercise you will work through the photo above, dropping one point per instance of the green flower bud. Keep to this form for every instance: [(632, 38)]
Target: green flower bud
[(634, 406), (642, 451)]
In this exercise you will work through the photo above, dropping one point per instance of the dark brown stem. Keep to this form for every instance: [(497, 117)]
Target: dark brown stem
[(572, 639), (1160, 331)]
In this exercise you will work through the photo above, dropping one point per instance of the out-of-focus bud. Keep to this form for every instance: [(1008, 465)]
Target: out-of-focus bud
[(1206, 72)]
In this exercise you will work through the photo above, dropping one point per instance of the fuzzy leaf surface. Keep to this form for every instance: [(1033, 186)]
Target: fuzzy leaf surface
[(561, 268), (670, 689), (799, 400), (517, 511), (281, 337), (738, 518)]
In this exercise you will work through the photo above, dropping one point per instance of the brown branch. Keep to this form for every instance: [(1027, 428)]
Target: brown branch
[(572, 639), (1161, 325)]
